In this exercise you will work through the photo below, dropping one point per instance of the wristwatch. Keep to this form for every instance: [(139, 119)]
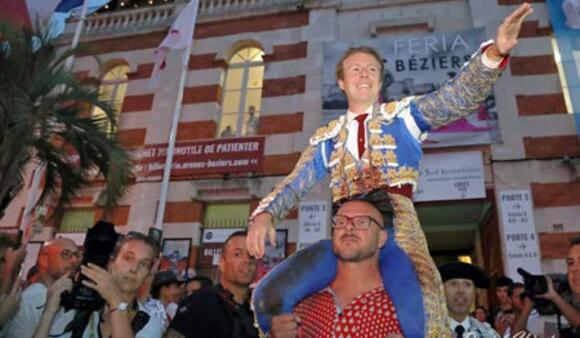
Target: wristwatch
[(121, 307)]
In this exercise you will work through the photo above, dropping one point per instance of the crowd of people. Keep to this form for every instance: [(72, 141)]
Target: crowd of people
[(140, 302), (136, 301)]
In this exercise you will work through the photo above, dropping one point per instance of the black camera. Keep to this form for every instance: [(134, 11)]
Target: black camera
[(99, 244), (533, 284)]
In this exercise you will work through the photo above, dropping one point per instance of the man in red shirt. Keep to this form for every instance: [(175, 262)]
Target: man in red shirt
[(355, 304)]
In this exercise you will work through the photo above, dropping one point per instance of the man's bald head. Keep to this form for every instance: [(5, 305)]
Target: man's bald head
[(57, 258)]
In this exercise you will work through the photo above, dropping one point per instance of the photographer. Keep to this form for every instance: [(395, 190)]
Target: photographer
[(568, 303), (527, 318), (56, 258), (121, 316)]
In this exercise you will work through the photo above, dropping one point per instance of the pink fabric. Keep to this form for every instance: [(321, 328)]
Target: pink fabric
[(371, 314)]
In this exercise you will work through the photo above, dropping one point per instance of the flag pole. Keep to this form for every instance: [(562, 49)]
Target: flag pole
[(77, 36), (174, 125)]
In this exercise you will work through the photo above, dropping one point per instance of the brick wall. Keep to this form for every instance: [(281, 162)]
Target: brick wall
[(280, 124), (130, 138), (187, 211), (284, 86), (279, 164), (201, 94), (552, 146), (118, 216), (555, 194), (544, 104), (251, 24), (197, 130), (555, 245), (133, 103)]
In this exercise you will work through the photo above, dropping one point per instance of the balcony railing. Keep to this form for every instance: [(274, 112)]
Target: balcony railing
[(154, 18)]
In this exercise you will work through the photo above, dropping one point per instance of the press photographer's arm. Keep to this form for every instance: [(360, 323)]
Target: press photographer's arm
[(52, 305), (520, 323), (571, 314)]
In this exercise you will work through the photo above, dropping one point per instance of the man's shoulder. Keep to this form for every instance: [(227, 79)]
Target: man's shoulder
[(485, 331), (205, 295), (200, 304), (328, 131), (153, 328), (34, 290), (201, 313)]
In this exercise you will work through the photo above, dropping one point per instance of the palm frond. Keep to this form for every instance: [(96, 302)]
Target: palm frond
[(43, 120)]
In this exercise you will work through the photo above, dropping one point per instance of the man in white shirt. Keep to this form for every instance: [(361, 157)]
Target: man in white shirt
[(56, 259), (459, 282)]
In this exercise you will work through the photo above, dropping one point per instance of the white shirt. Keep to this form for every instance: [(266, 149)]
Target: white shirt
[(352, 129), (32, 304), (153, 329), (453, 324), (534, 325)]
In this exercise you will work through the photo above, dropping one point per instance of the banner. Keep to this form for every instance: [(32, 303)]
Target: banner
[(565, 15), (313, 222), (451, 176), (519, 233), (415, 65), (221, 156)]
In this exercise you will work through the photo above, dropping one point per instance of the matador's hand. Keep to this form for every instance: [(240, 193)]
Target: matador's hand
[(260, 227), (509, 30)]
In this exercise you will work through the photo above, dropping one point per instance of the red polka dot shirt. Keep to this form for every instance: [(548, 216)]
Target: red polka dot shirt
[(369, 315)]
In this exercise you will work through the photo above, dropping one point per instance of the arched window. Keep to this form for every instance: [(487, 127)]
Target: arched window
[(113, 88), (242, 94)]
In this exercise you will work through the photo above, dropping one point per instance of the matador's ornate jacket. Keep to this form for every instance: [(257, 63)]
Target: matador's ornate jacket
[(394, 134), (390, 163)]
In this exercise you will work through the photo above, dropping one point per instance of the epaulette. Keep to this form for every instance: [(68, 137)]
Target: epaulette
[(391, 109), (328, 131)]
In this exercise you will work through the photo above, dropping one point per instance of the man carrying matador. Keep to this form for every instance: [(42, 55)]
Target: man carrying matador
[(373, 152)]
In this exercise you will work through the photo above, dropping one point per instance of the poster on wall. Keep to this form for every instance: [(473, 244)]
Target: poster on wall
[(175, 256), (212, 241), (451, 176), (313, 222), (565, 20), (417, 64), (273, 255), (519, 233)]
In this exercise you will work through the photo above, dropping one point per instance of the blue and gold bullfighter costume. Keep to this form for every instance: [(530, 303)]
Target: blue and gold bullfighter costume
[(389, 167)]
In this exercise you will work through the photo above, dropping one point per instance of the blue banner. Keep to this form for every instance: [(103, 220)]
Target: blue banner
[(565, 15), (66, 6)]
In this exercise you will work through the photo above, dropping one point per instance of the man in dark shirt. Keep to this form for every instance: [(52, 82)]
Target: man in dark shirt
[(222, 311)]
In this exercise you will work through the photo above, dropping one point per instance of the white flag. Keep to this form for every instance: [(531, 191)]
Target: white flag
[(179, 36)]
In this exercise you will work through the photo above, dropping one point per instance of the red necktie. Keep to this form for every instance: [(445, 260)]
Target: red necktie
[(361, 133)]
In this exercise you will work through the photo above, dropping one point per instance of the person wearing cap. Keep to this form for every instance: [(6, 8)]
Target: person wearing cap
[(166, 287), (459, 282)]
